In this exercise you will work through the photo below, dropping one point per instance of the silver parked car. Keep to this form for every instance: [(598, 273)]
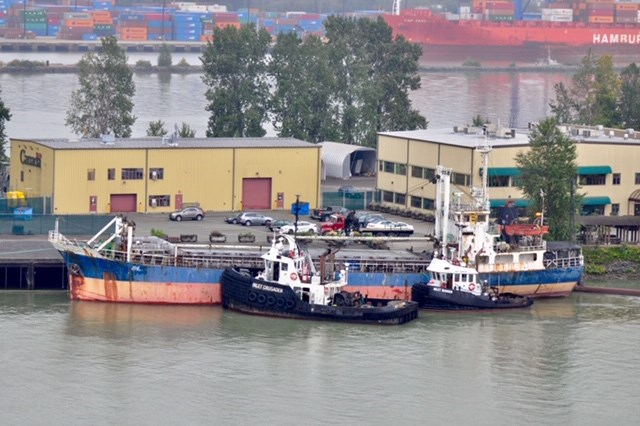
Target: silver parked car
[(193, 213), (252, 218)]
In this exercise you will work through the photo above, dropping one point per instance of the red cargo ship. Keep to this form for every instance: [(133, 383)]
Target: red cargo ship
[(497, 34)]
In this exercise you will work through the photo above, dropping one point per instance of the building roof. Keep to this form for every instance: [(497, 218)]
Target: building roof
[(473, 137), (597, 220), (184, 143), (466, 140)]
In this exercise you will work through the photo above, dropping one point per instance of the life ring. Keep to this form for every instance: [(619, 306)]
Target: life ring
[(271, 300), (280, 302), (252, 297), (472, 287), (293, 276), (290, 304), (262, 298)]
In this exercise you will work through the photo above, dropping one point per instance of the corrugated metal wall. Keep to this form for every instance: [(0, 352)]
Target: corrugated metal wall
[(212, 177)]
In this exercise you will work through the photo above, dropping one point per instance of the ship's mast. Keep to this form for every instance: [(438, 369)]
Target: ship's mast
[(395, 9), (483, 198), (443, 201)]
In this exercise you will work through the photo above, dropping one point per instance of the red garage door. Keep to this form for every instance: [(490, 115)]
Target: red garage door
[(123, 203), (256, 194)]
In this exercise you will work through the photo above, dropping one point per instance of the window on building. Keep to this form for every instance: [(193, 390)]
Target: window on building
[(91, 174), (498, 181), (159, 200), (592, 210), (616, 179), (401, 169), (428, 204), (111, 174), (401, 199), (156, 173), (21, 175), (615, 209), (416, 172), (381, 166), (387, 196), (429, 173), (637, 178), (460, 179), (416, 202), (587, 180), (389, 167), (132, 174)]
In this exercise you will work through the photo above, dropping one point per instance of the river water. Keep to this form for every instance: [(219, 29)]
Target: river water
[(39, 102), (571, 361)]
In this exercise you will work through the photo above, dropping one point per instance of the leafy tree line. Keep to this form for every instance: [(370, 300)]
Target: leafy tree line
[(345, 88), (599, 95)]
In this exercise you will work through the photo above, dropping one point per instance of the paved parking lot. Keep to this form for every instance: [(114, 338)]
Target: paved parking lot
[(215, 222)]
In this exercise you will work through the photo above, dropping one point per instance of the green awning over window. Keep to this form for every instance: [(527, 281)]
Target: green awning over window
[(594, 170), (500, 202), (502, 171), (596, 201)]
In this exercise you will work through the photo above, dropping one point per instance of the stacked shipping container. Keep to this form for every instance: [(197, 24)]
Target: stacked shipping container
[(186, 21)]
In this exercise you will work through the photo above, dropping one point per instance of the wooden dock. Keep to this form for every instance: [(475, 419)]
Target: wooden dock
[(31, 264)]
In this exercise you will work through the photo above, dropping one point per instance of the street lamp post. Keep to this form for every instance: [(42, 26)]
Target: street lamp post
[(297, 208)]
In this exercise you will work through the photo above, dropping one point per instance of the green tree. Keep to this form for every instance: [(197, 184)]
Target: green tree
[(629, 105), (156, 128), (564, 109), (103, 103), (235, 76), (373, 73), (186, 131), (592, 99), (479, 121), (164, 57), (607, 92), (5, 115), (549, 167), (302, 98)]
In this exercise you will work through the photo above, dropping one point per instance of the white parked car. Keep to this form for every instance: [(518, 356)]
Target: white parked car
[(388, 228), (303, 228)]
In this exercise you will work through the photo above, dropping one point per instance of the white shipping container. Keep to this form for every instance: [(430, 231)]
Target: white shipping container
[(558, 12), (554, 18), (77, 15)]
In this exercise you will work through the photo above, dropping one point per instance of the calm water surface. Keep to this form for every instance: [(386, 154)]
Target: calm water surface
[(39, 102), (570, 361)]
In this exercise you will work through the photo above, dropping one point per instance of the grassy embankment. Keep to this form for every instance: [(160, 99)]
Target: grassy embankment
[(612, 261)]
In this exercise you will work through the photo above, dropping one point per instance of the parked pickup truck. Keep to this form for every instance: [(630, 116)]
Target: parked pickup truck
[(335, 223), (324, 213), (339, 223)]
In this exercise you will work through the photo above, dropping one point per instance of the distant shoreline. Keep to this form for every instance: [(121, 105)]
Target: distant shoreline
[(73, 68), (195, 69)]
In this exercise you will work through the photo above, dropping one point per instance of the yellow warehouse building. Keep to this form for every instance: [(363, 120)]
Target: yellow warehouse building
[(608, 166), (155, 175)]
